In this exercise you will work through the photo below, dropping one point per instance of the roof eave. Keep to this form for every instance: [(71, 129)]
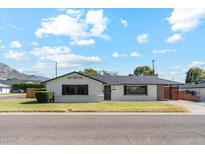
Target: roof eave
[(72, 73)]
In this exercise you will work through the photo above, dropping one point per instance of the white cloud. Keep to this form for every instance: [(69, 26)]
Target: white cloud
[(73, 25), (63, 56), (16, 55), (174, 38), (67, 65), (98, 21), (135, 54), (132, 54), (117, 54), (42, 65), (163, 51), (20, 70), (8, 26), (175, 73), (142, 38), (49, 66), (61, 25), (73, 60), (34, 43), (123, 22), (75, 13), (83, 42), (185, 20), (47, 51), (15, 44), (1, 45), (176, 67), (196, 64)]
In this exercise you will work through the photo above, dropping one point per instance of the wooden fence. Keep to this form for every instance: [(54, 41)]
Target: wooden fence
[(171, 93), (30, 92)]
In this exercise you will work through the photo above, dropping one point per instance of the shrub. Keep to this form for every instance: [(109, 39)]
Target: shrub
[(44, 96), (24, 85)]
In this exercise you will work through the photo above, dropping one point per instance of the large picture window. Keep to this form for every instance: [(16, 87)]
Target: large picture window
[(135, 90), (74, 89)]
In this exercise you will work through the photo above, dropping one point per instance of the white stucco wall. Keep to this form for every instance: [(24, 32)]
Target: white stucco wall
[(160, 92), (5, 90), (200, 92), (95, 89), (118, 94)]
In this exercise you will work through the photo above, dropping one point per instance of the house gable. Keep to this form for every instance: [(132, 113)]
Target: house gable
[(75, 74)]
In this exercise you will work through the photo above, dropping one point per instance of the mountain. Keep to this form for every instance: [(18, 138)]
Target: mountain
[(7, 72)]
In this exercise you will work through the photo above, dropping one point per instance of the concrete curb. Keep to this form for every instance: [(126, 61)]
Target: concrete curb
[(97, 113)]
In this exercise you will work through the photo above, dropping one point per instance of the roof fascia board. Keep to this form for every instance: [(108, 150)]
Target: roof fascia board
[(70, 74)]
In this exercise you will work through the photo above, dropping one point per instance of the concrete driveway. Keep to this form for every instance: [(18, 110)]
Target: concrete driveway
[(194, 107)]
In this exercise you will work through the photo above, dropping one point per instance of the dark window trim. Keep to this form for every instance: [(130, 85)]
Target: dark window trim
[(63, 92), (125, 90)]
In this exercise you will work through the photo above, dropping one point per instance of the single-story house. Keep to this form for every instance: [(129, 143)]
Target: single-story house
[(4, 89), (76, 87), (196, 88)]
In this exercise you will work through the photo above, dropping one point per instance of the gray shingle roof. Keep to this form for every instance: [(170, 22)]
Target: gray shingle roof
[(113, 80), (199, 84), (3, 85), (134, 80)]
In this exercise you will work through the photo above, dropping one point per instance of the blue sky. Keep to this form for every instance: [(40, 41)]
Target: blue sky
[(31, 40)]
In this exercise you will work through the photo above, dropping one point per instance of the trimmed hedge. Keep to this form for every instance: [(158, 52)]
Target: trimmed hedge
[(44, 96), (25, 85)]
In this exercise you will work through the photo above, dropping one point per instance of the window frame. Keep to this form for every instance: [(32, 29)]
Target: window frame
[(75, 94), (126, 93)]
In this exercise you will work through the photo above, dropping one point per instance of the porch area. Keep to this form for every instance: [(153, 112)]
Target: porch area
[(167, 92)]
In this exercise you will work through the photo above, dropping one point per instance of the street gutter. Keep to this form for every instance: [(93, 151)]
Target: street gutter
[(99, 113)]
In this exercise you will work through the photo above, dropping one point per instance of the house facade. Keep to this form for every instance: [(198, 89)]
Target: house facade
[(5, 89), (76, 87)]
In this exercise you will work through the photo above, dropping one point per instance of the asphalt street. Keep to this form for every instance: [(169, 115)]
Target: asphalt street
[(102, 129), (10, 96)]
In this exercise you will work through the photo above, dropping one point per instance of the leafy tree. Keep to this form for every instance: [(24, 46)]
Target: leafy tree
[(93, 72), (81, 72), (144, 70), (108, 73), (130, 74), (194, 74), (89, 72), (25, 85)]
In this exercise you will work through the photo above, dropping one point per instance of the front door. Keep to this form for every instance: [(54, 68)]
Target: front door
[(107, 93)]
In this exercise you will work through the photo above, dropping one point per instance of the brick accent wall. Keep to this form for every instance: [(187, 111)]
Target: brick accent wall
[(188, 96)]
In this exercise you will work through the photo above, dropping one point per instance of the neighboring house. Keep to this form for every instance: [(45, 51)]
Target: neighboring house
[(76, 87), (4, 89), (197, 88), (6, 84)]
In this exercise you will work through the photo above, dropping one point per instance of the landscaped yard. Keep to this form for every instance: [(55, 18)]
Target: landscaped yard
[(30, 105)]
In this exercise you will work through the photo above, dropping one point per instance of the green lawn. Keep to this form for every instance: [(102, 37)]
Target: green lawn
[(30, 105)]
